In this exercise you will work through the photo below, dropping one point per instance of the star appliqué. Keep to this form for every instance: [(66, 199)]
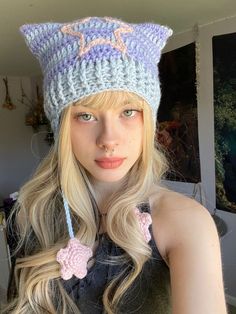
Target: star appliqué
[(145, 220), (118, 44), (74, 259)]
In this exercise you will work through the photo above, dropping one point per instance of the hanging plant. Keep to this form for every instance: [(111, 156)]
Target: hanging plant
[(8, 104), (35, 117)]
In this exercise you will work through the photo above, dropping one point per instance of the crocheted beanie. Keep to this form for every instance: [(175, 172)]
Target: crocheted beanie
[(96, 54)]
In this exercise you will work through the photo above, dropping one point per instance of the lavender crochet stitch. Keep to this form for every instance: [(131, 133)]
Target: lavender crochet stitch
[(96, 54)]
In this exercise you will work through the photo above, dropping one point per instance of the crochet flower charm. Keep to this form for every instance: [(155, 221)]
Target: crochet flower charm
[(145, 220), (74, 259)]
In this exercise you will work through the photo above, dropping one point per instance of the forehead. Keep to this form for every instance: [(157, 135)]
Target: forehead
[(107, 100)]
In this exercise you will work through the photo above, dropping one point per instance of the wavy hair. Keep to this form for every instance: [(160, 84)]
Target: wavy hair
[(41, 222)]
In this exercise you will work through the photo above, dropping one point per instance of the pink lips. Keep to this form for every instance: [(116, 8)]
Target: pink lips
[(109, 163)]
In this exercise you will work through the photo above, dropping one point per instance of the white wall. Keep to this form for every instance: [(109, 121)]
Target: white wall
[(20, 153), (17, 158)]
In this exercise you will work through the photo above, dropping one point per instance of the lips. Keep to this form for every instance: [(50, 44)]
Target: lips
[(109, 163)]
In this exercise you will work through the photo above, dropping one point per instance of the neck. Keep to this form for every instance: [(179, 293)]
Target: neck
[(104, 191)]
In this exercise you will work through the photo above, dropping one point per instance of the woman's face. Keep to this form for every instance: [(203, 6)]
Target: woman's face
[(120, 129)]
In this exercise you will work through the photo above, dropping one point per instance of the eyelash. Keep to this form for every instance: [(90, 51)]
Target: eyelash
[(82, 114)]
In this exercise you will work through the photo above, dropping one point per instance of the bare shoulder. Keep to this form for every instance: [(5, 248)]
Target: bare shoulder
[(177, 218), (187, 238)]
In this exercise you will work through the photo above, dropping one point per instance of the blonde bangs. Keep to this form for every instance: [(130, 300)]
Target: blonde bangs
[(111, 99)]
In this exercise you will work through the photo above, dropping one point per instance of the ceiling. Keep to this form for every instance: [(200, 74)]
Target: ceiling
[(180, 15)]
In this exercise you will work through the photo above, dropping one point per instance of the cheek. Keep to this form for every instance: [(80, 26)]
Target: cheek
[(78, 142), (136, 141)]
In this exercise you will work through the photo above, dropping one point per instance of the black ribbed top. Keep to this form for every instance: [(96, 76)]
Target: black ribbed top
[(150, 293)]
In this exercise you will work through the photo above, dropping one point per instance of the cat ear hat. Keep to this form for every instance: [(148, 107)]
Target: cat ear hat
[(96, 54), (85, 57)]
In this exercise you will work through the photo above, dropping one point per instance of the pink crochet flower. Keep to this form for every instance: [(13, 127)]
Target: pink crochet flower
[(145, 220), (74, 259)]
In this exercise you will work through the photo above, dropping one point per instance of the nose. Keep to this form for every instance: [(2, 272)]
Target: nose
[(108, 134)]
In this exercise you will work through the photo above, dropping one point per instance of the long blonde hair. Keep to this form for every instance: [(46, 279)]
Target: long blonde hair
[(41, 225)]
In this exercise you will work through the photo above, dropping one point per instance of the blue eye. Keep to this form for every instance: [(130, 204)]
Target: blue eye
[(130, 111), (86, 115), (83, 116)]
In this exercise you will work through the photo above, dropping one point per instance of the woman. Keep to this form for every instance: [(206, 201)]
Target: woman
[(98, 232)]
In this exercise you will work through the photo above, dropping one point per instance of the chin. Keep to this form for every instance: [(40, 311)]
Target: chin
[(112, 177)]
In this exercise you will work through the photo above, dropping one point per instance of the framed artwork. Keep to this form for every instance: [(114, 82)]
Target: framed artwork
[(224, 80), (177, 123)]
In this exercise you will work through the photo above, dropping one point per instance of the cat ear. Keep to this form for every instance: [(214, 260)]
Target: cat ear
[(157, 34), (37, 35)]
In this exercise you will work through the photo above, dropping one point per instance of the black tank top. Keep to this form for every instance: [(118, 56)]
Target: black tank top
[(150, 292)]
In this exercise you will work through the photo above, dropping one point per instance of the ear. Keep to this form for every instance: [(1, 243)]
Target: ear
[(158, 34), (37, 35)]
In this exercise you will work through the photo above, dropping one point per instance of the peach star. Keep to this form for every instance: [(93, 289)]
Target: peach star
[(118, 44)]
